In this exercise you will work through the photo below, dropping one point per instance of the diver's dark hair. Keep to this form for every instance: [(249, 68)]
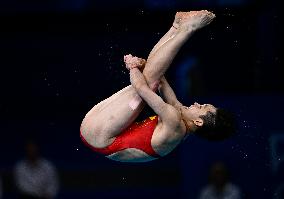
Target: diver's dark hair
[(217, 126)]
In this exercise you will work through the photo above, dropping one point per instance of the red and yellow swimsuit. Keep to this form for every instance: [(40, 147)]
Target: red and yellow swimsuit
[(138, 135)]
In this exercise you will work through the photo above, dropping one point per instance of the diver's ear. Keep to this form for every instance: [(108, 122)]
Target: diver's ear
[(198, 122)]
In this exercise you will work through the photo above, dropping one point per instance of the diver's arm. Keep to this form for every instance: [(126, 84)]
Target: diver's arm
[(164, 110), (167, 93)]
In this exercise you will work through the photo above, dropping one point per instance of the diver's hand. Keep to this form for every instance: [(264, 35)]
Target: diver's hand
[(134, 62)]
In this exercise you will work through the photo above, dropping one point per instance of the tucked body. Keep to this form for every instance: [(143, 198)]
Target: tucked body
[(109, 127)]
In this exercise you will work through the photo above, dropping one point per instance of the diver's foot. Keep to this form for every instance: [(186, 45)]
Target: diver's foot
[(193, 20), (178, 18), (134, 62)]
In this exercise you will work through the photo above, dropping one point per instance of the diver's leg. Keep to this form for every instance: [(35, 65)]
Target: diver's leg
[(109, 118), (157, 65), (179, 18), (171, 32)]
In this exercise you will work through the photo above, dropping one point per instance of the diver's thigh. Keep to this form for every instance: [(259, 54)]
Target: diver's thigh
[(109, 118)]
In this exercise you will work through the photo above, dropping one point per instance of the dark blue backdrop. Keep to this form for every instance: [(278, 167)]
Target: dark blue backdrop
[(59, 58)]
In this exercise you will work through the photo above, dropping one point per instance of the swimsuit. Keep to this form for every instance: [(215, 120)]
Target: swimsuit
[(138, 135)]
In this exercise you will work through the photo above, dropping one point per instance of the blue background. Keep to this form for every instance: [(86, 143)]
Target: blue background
[(59, 58)]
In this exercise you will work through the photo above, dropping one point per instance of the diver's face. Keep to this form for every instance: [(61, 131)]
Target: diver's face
[(196, 110)]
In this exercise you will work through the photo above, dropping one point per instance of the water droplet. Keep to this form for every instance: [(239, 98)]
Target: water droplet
[(124, 179)]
